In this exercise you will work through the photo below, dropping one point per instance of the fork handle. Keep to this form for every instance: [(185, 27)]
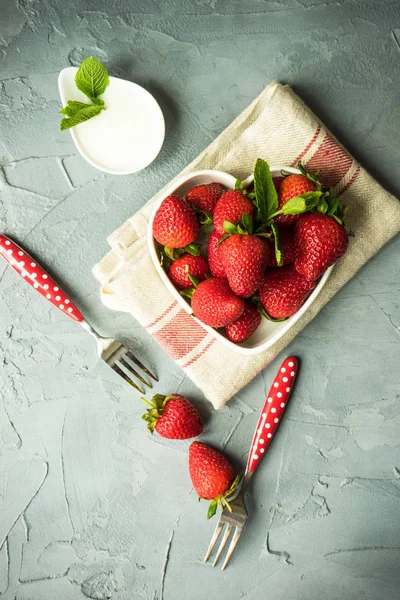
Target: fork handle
[(272, 412), (37, 277)]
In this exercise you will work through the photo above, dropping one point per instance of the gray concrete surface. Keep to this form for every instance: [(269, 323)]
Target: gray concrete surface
[(90, 506)]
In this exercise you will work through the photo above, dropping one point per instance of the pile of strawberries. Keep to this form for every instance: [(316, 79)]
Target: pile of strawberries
[(268, 247), (212, 475)]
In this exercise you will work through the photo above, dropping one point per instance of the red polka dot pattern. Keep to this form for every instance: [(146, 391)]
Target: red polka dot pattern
[(272, 411), (33, 274)]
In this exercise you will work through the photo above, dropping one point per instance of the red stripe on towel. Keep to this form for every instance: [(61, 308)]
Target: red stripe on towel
[(306, 149), (180, 335), (333, 161), (200, 354), (352, 180), (164, 314)]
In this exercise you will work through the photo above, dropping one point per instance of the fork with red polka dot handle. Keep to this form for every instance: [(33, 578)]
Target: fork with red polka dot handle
[(117, 356), (235, 515)]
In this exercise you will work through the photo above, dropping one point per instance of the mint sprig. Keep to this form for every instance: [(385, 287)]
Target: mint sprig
[(92, 79), (90, 110), (266, 198)]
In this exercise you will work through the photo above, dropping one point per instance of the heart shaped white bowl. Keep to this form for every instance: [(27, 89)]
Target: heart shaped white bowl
[(268, 332)]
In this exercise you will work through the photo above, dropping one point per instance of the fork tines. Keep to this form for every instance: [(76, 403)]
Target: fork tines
[(124, 366), (236, 527)]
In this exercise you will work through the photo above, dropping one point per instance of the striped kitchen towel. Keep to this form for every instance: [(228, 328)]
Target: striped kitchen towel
[(277, 126)]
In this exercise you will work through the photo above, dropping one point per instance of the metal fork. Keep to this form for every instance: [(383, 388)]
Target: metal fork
[(236, 515), (115, 354)]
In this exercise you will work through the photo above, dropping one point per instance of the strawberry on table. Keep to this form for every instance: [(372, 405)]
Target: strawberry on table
[(175, 224), (173, 417), (205, 197), (290, 187), (212, 475), (283, 291), (320, 240), (231, 207), (214, 303), (179, 269), (243, 328), (244, 258), (214, 258)]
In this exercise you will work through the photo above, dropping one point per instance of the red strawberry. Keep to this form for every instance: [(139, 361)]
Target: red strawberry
[(173, 417), (286, 236), (179, 269), (214, 259), (277, 182), (283, 291), (231, 207), (242, 329), (245, 258), (215, 304), (320, 240), (212, 475), (205, 197), (291, 186), (175, 224)]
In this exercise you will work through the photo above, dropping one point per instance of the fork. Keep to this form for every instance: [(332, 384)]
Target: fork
[(236, 515), (117, 356)]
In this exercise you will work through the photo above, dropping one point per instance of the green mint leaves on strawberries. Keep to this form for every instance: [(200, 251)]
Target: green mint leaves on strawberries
[(92, 79), (266, 198)]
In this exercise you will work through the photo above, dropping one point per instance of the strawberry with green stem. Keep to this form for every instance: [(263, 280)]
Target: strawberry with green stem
[(172, 417), (212, 475)]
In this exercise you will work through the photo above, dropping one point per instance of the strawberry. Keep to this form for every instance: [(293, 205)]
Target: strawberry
[(320, 240), (214, 303), (205, 197), (283, 291), (244, 258), (179, 269), (214, 259), (277, 182), (175, 224), (173, 417), (212, 475), (286, 236), (231, 207), (291, 186), (244, 327)]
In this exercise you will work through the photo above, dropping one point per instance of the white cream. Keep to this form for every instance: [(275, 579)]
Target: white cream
[(124, 138)]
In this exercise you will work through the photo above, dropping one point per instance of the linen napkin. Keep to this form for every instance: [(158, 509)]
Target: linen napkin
[(276, 126)]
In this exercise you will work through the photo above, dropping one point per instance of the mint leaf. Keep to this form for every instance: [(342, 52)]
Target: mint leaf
[(277, 244), (300, 204), (92, 78), (81, 116), (72, 108), (238, 184), (266, 200)]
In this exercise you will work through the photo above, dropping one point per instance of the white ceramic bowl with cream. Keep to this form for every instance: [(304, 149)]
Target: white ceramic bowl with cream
[(268, 332), (124, 138)]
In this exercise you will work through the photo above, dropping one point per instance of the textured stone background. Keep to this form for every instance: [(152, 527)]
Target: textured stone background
[(90, 506)]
